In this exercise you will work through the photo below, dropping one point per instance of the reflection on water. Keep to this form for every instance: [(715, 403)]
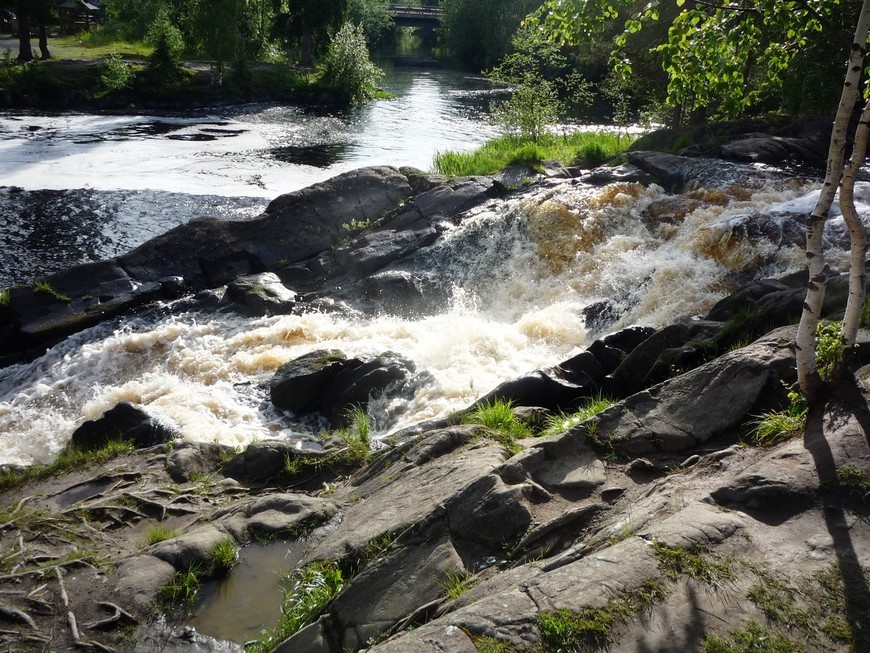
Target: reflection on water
[(82, 187), (239, 606)]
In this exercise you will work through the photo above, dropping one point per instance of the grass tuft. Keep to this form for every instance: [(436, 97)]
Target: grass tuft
[(567, 421), (676, 562), (159, 533), (455, 585), (754, 638), (498, 417), (225, 555)]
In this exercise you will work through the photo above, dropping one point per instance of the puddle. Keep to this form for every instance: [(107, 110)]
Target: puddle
[(248, 601)]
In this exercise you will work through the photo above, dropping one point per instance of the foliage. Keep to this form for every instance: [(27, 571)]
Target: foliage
[(478, 32), (780, 425), (754, 638), (347, 68), (544, 88), (309, 591), (498, 416), (487, 644), (164, 64), (508, 150), (565, 422), (182, 590), (830, 345), (68, 459), (115, 74), (5, 296), (159, 533), (373, 17), (225, 555), (725, 58)]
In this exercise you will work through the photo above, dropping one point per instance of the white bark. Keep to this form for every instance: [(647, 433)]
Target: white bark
[(806, 337), (857, 233)]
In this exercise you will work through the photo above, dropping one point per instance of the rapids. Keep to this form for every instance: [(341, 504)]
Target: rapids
[(521, 270)]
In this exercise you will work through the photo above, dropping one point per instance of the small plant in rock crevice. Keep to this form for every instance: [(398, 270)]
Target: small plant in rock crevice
[(777, 426), (753, 638), (566, 421), (498, 417), (181, 592), (225, 555), (45, 288), (457, 584)]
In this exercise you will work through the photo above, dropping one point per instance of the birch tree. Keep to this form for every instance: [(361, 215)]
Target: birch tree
[(838, 174)]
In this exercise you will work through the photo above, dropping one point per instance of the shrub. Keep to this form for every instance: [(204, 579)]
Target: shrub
[(347, 68), (168, 43), (115, 74)]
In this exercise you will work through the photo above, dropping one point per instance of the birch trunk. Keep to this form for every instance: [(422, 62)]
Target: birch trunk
[(805, 345), (857, 233)]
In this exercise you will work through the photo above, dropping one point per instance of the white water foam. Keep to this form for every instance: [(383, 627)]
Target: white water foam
[(522, 271)]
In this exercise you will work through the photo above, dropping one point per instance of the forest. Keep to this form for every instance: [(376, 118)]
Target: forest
[(660, 61)]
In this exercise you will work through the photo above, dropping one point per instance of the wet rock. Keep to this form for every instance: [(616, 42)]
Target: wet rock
[(159, 636), (378, 249), (402, 293), (327, 382), (625, 173), (124, 421), (260, 294)]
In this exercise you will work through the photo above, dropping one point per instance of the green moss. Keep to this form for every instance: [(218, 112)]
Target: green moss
[(45, 288), (492, 645)]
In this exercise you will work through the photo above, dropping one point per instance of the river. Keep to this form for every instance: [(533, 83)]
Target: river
[(522, 269), (79, 187)]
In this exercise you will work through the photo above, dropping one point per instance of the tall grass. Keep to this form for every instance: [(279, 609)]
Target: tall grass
[(587, 149)]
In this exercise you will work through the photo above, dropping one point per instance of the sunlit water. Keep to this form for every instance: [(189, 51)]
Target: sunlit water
[(522, 270), (80, 187)]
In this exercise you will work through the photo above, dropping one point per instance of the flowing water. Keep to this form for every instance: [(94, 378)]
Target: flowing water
[(519, 270)]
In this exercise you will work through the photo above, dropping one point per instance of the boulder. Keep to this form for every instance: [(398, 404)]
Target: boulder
[(189, 459), (706, 402), (123, 422), (329, 383), (260, 294)]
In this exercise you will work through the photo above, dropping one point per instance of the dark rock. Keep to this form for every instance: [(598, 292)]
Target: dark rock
[(560, 463), (299, 383), (489, 512), (560, 387), (703, 403), (123, 422), (378, 249), (260, 294), (397, 292), (631, 374), (261, 460), (599, 316), (626, 173), (192, 458), (327, 382)]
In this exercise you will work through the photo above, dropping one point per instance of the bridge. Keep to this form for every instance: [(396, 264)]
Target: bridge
[(416, 16)]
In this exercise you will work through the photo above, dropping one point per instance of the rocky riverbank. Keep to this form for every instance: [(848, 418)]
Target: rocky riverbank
[(654, 525)]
